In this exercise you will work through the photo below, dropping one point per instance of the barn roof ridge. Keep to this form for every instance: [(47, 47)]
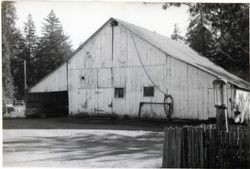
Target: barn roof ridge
[(184, 53), (173, 48)]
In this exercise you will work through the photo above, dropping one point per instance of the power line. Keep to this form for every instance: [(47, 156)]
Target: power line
[(144, 66), (167, 97)]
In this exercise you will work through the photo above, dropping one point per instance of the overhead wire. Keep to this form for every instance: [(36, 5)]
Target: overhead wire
[(167, 96), (144, 66)]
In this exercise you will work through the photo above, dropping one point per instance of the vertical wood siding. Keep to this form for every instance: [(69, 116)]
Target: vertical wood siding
[(92, 94), (105, 67), (55, 81)]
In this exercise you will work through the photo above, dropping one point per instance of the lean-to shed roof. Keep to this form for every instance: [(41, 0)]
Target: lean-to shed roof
[(184, 53)]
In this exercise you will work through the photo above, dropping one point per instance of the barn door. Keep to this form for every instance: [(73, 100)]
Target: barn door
[(104, 101), (87, 101), (104, 91)]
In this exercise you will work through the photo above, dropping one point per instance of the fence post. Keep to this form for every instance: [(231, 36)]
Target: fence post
[(164, 162)]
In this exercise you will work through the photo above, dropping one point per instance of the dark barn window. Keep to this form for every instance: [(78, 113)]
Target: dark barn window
[(148, 91), (119, 92)]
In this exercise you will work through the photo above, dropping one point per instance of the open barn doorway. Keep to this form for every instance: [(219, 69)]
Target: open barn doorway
[(47, 104)]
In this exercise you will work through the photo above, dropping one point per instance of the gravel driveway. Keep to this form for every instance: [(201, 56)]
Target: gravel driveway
[(82, 148)]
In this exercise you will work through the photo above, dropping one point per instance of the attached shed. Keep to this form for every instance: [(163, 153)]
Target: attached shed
[(56, 81), (124, 69), (50, 95)]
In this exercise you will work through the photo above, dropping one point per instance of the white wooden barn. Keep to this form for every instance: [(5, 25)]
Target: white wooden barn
[(122, 65)]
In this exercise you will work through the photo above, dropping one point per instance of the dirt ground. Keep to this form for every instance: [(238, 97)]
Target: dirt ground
[(74, 142), (82, 148), (79, 142)]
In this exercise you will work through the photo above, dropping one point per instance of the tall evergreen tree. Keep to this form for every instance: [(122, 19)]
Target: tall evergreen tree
[(25, 50), (30, 36), (231, 22), (30, 41), (227, 40), (8, 31), (200, 36), (17, 66), (8, 22), (7, 80), (53, 46), (26, 46)]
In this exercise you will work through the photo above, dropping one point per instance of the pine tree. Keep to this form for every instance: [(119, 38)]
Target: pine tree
[(30, 41), (226, 40), (231, 22), (7, 80), (200, 36), (8, 21), (17, 66), (53, 46), (25, 45), (8, 31), (30, 36)]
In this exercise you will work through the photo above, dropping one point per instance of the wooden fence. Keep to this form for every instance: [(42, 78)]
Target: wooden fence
[(204, 147)]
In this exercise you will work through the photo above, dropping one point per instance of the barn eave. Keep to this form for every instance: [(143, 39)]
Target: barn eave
[(151, 38), (204, 65)]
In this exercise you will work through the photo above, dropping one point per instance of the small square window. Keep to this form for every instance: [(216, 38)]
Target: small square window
[(148, 91), (119, 92)]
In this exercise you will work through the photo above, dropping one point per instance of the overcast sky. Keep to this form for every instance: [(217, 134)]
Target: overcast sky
[(81, 19)]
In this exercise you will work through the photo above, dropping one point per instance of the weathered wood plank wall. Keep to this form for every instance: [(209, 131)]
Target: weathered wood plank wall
[(104, 67), (55, 81)]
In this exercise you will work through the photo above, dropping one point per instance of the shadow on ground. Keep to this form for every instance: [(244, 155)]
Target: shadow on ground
[(100, 147)]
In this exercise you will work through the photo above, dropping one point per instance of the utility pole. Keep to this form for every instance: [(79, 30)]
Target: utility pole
[(24, 68)]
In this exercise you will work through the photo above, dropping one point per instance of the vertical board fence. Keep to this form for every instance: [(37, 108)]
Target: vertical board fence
[(205, 147)]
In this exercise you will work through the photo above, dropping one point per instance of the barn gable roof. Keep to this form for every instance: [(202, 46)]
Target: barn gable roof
[(175, 49), (184, 53), (30, 89)]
